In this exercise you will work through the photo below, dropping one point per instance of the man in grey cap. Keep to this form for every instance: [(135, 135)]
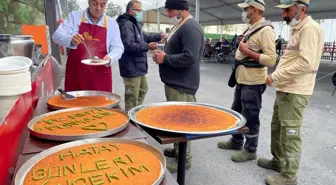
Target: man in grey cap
[(179, 63), (255, 54), (294, 81)]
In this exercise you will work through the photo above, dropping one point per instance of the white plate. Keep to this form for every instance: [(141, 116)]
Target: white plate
[(14, 65), (101, 63)]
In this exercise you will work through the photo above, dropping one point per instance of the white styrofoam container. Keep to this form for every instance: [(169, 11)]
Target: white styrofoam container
[(14, 65), (15, 84)]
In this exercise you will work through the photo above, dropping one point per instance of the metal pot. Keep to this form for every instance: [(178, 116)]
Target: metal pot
[(17, 45)]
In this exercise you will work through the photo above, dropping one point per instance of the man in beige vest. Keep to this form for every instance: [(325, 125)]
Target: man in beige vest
[(253, 57), (294, 81)]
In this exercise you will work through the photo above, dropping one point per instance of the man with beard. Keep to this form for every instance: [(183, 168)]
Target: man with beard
[(294, 81)]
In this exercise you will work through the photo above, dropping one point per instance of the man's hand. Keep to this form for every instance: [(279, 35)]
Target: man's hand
[(107, 58), (152, 45), (244, 48), (269, 80), (158, 56), (163, 35), (77, 39)]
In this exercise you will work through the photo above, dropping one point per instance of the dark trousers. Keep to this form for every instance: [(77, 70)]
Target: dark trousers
[(278, 50), (247, 101)]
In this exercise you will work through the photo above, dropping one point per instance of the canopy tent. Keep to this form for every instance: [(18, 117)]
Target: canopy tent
[(150, 16), (217, 12)]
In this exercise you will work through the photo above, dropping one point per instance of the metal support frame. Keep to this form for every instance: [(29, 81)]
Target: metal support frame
[(52, 22), (333, 51), (197, 12), (158, 17), (181, 163), (334, 82)]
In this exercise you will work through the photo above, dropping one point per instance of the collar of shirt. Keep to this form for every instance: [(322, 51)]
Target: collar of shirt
[(302, 22), (87, 17), (257, 23)]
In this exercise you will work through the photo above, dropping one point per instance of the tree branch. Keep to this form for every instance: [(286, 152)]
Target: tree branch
[(18, 1), (28, 4)]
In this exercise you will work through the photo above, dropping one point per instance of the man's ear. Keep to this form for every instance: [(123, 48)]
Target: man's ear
[(304, 9)]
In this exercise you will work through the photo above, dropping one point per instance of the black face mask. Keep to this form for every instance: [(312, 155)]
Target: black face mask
[(288, 20)]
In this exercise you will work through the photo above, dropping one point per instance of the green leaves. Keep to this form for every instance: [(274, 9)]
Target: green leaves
[(14, 13), (113, 9), (72, 5)]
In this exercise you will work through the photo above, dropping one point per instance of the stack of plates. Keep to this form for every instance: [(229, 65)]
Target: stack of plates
[(15, 78)]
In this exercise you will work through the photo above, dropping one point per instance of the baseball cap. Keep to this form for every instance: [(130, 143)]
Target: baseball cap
[(288, 3), (259, 4)]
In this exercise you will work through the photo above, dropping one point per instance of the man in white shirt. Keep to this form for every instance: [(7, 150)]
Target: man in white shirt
[(101, 35)]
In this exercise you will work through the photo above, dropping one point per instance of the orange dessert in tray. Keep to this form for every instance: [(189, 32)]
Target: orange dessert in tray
[(82, 101), (81, 122), (190, 118), (97, 164)]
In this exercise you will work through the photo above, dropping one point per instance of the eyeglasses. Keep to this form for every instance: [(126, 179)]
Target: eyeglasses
[(138, 10)]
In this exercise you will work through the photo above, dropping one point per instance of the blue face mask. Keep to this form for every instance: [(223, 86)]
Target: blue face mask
[(138, 16)]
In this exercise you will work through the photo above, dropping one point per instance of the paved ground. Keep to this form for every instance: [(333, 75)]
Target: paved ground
[(212, 166)]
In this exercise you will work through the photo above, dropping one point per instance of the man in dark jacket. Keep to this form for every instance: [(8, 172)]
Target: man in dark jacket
[(179, 63), (133, 63)]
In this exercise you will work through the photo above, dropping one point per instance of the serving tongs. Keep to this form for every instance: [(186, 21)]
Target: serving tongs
[(66, 96), (94, 59)]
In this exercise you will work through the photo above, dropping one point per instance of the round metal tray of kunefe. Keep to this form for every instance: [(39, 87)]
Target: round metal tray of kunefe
[(74, 137), (108, 95), (26, 167), (240, 119)]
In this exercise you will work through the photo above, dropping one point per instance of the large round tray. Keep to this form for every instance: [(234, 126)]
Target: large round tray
[(109, 95), (74, 137), (25, 168), (240, 119)]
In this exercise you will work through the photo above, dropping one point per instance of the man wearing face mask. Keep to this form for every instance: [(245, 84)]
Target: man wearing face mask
[(179, 63), (255, 54), (133, 63), (294, 81)]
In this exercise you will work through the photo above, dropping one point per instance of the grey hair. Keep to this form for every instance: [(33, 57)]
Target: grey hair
[(130, 5)]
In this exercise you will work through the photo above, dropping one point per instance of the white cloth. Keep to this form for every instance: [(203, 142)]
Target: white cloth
[(70, 27)]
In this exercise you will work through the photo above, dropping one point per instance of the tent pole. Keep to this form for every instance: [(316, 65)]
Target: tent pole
[(331, 30), (148, 24), (197, 12), (158, 17), (221, 30)]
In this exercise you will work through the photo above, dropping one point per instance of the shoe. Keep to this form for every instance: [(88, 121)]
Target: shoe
[(172, 166), (280, 180), (229, 145), (170, 152), (243, 156), (269, 164)]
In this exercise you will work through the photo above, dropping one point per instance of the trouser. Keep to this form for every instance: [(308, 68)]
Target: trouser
[(279, 50), (247, 101), (175, 95), (135, 91), (286, 137)]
